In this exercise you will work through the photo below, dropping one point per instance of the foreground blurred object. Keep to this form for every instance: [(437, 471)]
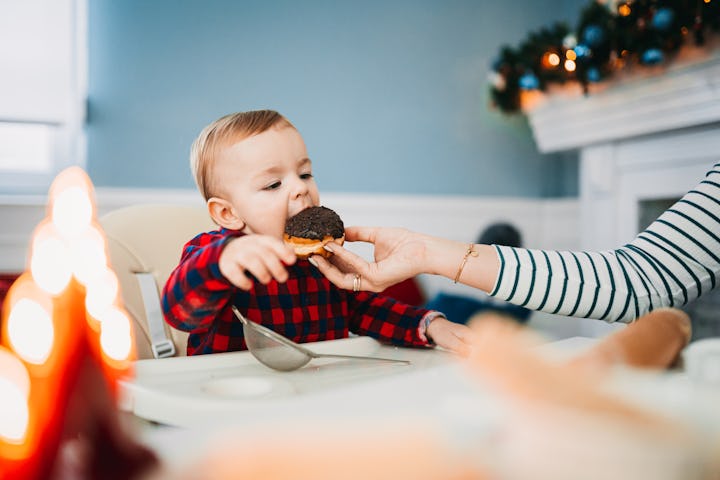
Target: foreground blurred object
[(566, 410), (525, 416), (68, 340), (654, 340), (347, 451)]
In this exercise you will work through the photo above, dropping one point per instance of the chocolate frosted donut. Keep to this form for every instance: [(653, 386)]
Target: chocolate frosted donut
[(308, 231)]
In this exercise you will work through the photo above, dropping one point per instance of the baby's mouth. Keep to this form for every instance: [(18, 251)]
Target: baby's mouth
[(290, 215)]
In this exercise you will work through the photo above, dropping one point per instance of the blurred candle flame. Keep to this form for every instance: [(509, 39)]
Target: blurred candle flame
[(30, 331), (50, 260), (14, 391), (72, 211), (115, 334), (88, 255), (44, 325), (102, 293), (71, 201)]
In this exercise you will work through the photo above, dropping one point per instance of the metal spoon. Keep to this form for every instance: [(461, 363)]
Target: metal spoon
[(280, 353)]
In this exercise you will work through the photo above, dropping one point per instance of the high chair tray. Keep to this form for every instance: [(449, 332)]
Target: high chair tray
[(223, 387)]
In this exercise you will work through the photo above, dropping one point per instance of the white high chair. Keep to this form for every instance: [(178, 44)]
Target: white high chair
[(144, 245)]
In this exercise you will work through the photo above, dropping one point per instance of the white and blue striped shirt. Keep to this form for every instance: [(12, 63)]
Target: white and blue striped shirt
[(675, 260)]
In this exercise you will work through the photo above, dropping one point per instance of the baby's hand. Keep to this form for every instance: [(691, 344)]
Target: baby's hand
[(261, 256), (450, 335)]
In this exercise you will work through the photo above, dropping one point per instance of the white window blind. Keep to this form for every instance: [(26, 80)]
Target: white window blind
[(42, 91)]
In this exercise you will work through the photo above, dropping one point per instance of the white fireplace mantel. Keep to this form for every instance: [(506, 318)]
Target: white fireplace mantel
[(681, 97), (648, 138)]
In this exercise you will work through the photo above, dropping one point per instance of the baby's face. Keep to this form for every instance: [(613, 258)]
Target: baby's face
[(267, 178)]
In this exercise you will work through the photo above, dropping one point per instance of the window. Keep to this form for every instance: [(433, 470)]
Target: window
[(42, 91)]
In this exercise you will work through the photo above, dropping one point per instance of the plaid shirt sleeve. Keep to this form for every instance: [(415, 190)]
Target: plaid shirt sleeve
[(196, 290), (386, 319)]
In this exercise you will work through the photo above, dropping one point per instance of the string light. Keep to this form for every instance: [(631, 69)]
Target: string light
[(634, 27), (550, 60)]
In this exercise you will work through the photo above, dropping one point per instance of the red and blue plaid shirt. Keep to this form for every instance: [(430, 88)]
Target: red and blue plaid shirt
[(306, 308)]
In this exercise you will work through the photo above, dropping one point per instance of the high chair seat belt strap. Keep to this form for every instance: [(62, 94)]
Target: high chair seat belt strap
[(161, 345)]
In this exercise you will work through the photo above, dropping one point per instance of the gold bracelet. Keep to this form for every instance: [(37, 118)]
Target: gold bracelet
[(470, 251)]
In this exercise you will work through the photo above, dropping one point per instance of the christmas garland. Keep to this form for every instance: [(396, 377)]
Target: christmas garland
[(611, 35)]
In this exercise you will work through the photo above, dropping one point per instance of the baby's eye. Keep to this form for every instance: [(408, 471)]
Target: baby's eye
[(273, 186), (306, 176)]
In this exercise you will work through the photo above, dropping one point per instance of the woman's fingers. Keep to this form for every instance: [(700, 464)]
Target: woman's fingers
[(347, 261), (343, 268), (338, 278), (360, 234)]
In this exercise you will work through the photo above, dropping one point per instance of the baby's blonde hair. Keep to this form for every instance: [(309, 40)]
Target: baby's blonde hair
[(224, 132)]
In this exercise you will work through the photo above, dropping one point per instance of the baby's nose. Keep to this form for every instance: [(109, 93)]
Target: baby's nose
[(299, 188)]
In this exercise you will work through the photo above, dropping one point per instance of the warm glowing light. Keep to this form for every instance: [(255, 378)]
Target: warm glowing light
[(14, 412), (569, 65), (13, 370), (50, 260), (550, 60), (624, 10), (101, 293), (72, 188), (72, 211), (707, 1), (570, 55), (14, 391), (88, 256), (115, 336), (30, 331)]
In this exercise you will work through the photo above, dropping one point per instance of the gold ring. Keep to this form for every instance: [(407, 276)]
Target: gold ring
[(356, 282)]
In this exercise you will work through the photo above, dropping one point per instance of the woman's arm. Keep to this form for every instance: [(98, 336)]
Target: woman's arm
[(675, 260)]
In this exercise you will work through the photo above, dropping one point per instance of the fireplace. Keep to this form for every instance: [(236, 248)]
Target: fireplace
[(642, 143)]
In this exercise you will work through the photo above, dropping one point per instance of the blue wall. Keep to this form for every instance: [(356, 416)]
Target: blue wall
[(391, 96)]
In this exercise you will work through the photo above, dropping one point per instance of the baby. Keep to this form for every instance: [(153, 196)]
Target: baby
[(254, 172)]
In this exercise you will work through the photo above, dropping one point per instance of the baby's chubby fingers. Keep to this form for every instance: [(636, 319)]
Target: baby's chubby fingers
[(261, 256), (452, 336)]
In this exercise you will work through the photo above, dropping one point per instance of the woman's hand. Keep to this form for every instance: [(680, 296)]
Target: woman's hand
[(399, 254)]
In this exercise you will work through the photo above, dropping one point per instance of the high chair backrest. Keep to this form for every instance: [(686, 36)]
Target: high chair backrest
[(144, 244)]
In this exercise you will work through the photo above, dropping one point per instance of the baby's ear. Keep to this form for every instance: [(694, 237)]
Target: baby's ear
[(224, 214)]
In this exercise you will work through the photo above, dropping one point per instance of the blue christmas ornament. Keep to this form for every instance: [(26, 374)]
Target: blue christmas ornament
[(582, 51), (529, 81), (592, 74), (593, 35), (663, 19), (652, 56)]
